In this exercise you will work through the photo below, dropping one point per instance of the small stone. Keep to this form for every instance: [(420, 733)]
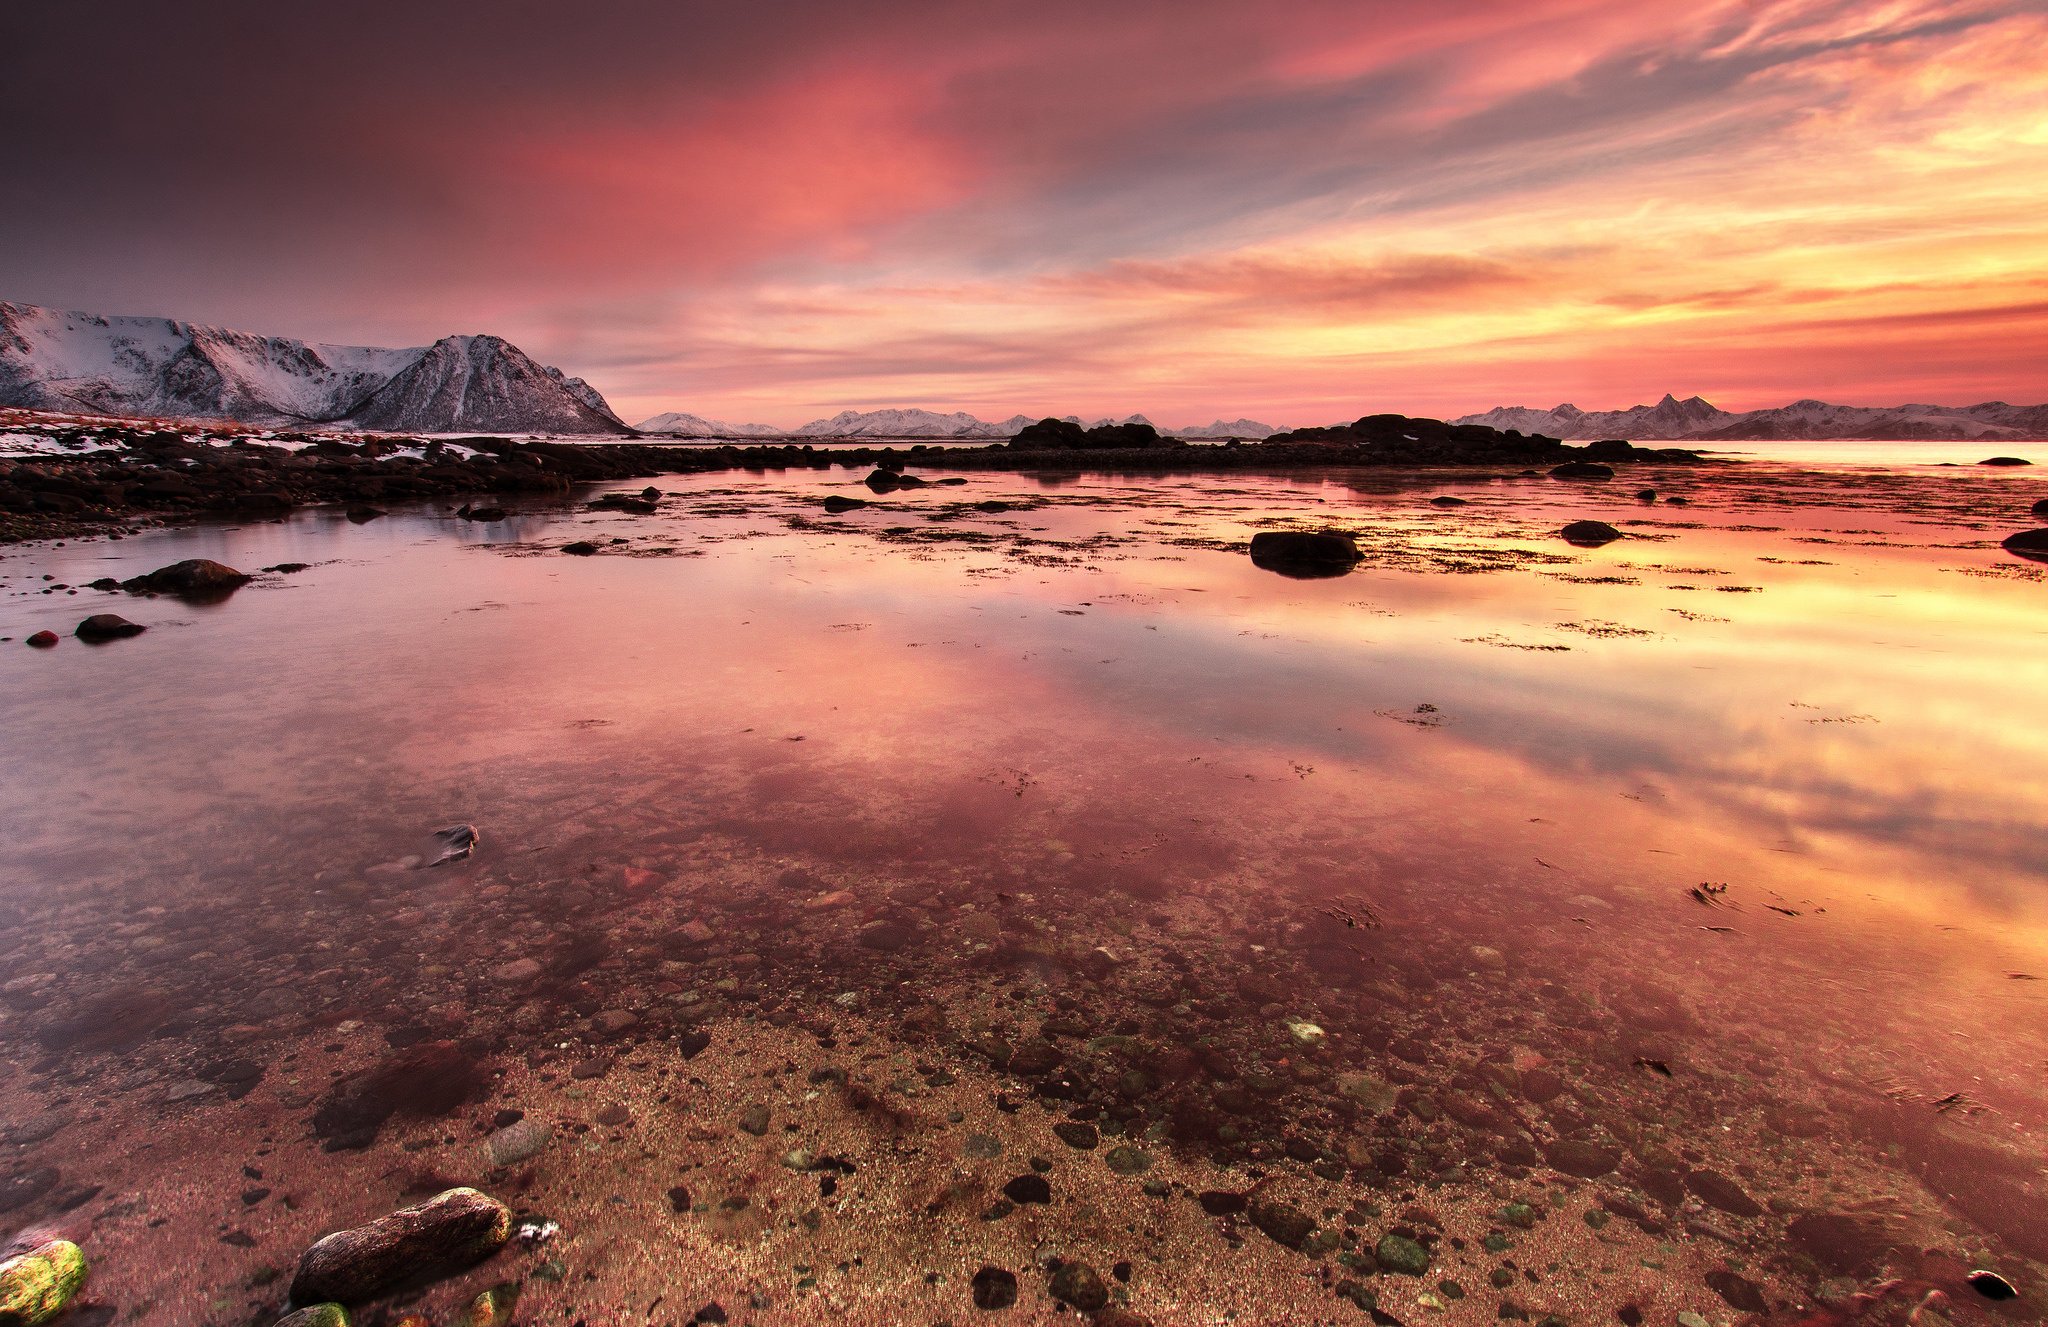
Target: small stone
[(1078, 1284), (994, 1288), (1028, 1189), (37, 1285), (1588, 1161), (1687, 1318), (519, 1141), (493, 1308), (1717, 1190), (1076, 1134), (1127, 1160), (43, 640), (518, 970), (1305, 1033), (754, 1119), (679, 1200), (1397, 1253), (1283, 1223)]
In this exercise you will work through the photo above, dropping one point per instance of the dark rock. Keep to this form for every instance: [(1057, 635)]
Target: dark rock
[(1646, 495), (1588, 1161), (1590, 534), (25, 1186), (1717, 1190), (1446, 501), (289, 568), (362, 515), (839, 502), (2028, 544), (1076, 1134), (429, 1079), (1582, 470), (1078, 1284), (1842, 1245), (1992, 1286), (447, 1233), (1034, 1058), (1028, 1189), (1740, 1292), (2004, 460), (1304, 555), (994, 1288), (754, 1120), (2041, 508), (487, 514), (194, 578), (1398, 1253), (693, 1043), (43, 640), (582, 548), (1283, 1223), (1221, 1202), (105, 627), (626, 502), (679, 1199)]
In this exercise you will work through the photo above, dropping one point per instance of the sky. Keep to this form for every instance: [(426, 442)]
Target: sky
[(1298, 213)]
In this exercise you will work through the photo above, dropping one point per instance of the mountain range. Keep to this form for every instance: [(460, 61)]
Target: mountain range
[(1696, 420), (920, 424), (159, 368)]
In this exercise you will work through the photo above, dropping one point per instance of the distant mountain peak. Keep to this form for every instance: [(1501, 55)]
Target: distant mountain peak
[(1697, 419), (160, 367)]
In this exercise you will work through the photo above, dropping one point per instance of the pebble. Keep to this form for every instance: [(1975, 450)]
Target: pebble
[(519, 1141), (1397, 1253), (518, 970), (1127, 1160), (1078, 1284), (754, 1119), (994, 1288), (316, 1315), (1028, 1189)]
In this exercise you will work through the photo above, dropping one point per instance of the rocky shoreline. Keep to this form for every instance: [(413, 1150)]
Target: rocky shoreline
[(113, 478)]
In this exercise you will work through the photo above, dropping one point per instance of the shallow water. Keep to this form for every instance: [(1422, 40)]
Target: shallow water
[(1057, 813)]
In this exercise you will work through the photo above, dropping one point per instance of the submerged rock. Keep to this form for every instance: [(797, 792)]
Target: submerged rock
[(1398, 1253), (1304, 555), (1582, 470), (1588, 1161), (1080, 1285), (1283, 1223), (2032, 544), (362, 515), (107, 626), (839, 502), (194, 578), (582, 548), (1590, 534), (2005, 460), (317, 1315), (994, 1288), (430, 1079), (522, 1140), (447, 1233), (1717, 1190), (2041, 507), (37, 1285)]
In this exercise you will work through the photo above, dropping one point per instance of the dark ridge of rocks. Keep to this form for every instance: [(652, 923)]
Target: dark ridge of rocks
[(447, 1233), (1590, 534), (1066, 435), (1582, 470)]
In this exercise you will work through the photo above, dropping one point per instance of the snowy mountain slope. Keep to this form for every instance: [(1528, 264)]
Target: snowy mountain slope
[(683, 425), (1809, 420), (915, 423), (57, 360)]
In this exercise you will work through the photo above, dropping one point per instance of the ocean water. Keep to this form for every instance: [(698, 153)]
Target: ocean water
[(1660, 927)]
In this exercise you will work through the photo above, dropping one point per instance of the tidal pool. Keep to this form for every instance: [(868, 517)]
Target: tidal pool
[(1010, 875)]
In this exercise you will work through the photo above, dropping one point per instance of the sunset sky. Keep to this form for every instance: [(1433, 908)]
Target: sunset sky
[(1297, 212)]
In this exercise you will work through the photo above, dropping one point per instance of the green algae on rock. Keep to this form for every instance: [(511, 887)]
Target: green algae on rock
[(36, 1286), (316, 1315)]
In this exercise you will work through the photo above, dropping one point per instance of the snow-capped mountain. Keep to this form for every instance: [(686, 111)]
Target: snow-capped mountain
[(1698, 421), (916, 423), (158, 367), (683, 425)]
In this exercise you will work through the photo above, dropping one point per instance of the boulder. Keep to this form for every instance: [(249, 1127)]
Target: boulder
[(36, 1285), (2028, 544), (1283, 1223), (362, 515), (2041, 507), (102, 627), (43, 640), (194, 578), (1447, 501), (447, 1233), (627, 502), (1303, 554), (481, 513), (839, 502), (1079, 1285), (1590, 534), (582, 548), (2005, 460), (1582, 470)]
